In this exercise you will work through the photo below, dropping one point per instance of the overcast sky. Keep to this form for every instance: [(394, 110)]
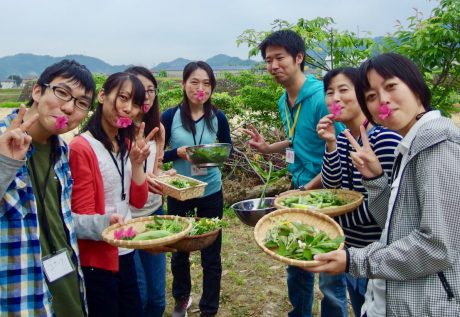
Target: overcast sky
[(148, 32)]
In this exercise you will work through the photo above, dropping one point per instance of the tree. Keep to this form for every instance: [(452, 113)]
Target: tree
[(434, 45), (16, 78), (321, 40)]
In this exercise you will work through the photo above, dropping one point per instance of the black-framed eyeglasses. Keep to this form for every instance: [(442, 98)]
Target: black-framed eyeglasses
[(152, 91), (65, 95)]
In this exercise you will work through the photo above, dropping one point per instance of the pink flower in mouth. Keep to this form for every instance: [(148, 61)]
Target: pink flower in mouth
[(123, 122), (146, 107), (122, 234), (200, 95), (61, 122), (384, 111), (335, 109)]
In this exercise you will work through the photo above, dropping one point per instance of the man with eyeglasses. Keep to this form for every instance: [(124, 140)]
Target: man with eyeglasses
[(40, 271)]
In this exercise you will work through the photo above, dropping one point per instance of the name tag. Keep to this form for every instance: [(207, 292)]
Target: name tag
[(122, 208), (57, 265), (196, 171), (290, 155)]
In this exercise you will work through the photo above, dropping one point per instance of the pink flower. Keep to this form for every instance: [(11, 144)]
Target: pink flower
[(200, 95), (122, 234), (146, 107), (335, 109), (123, 122), (384, 111), (61, 122), (118, 234)]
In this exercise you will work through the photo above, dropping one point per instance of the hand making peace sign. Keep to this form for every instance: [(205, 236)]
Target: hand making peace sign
[(364, 159), (15, 142), (140, 149), (257, 140)]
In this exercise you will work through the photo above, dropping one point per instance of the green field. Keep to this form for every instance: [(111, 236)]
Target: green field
[(9, 95)]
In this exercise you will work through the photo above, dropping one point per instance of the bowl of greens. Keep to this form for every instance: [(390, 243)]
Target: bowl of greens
[(251, 210), (208, 155)]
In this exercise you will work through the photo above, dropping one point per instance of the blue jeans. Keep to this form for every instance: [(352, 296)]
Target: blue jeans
[(356, 289), (151, 278), (301, 293)]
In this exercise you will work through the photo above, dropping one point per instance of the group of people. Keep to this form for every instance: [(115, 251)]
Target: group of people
[(370, 129)]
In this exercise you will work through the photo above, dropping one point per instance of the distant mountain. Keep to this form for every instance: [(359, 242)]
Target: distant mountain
[(26, 65), (220, 61)]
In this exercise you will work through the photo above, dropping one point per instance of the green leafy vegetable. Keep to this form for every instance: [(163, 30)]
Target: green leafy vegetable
[(315, 200), (205, 225), (296, 240), (181, 183), (204, 155), (171, 225)]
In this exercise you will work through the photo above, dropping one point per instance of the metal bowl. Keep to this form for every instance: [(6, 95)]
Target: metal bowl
[(248, 211), (207, 155)]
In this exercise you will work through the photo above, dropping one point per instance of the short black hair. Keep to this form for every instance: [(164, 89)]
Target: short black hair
[(349, 72), (69, 69), (391, 65), (289, 40)]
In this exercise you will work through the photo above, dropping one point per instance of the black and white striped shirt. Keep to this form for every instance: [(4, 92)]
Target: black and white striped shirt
[(338, 171)]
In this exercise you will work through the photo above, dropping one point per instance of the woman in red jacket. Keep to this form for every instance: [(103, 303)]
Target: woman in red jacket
[(105, 183)]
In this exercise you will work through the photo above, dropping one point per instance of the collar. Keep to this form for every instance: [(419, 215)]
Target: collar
[(406, 142)]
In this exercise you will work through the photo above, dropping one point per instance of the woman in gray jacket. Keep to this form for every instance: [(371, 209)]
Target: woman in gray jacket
[(415, 267)]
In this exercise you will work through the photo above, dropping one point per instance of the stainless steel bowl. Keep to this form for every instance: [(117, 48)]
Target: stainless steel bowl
[(207, 155), (248, 211)]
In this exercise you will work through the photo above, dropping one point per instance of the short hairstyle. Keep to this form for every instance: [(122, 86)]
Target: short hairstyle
[(390, 65), (68, 69), (93, 125), (152, 117), (289, 40), (209, 109), (349, 72)]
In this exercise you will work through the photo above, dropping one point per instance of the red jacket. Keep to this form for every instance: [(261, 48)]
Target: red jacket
[(88, 199)]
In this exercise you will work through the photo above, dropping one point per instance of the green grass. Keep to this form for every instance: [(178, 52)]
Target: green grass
[(9, 95), (10, 104)]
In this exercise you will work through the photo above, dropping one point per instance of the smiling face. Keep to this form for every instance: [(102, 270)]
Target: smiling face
[(399, 101), (117, 104), (341, 91), (197, 87), (281, 65), (150, 92), (55, 115)]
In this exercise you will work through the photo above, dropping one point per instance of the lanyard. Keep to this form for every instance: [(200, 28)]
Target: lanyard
[(41, 199), (201, 137), (121, 173), (291, 130)]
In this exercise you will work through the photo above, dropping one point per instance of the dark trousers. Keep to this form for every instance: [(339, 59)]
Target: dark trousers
[(113, 294), (210, 206)]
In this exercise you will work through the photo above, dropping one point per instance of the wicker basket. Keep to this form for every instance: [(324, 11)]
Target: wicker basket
[(181, 193), (138, 224), (312, 218), (354, 197)]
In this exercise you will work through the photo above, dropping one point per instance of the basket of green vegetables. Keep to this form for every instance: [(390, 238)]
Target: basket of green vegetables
[(331, 202), (147, 232), (204, 232), (295, 236), (181, 187)]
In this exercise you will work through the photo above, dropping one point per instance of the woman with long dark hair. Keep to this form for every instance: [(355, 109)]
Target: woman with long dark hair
[(106, 161), (151, 268), (196, 121)]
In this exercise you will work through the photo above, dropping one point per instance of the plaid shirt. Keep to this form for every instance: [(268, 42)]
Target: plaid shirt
[(423, 231), (23, 290)]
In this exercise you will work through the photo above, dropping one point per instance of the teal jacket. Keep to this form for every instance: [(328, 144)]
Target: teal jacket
[(308, 147)]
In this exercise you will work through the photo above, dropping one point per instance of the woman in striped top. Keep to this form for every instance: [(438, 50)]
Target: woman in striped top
[(359, 226)]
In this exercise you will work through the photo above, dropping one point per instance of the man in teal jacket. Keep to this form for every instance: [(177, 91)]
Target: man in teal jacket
[(301, 107)]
